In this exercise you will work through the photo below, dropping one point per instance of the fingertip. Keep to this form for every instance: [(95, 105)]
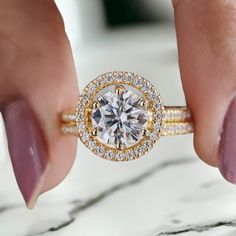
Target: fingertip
[(201, 147), (63, 153)]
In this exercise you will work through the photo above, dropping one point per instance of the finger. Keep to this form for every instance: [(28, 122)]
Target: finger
[(42, 85), (206, 42)]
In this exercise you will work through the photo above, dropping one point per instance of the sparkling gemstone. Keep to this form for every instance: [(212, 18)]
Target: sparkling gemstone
[(153, 136), (148, 144), (99, 151), (157, 126), (130, 155), (109, 79), (138, 82), (119, 117), (81, 127), (92, 144), (139, 151), (157, 106), (109, 155), (85, 136), (120, 156)]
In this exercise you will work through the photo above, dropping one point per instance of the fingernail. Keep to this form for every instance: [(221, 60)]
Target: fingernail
[(228, 145), (27, 149)]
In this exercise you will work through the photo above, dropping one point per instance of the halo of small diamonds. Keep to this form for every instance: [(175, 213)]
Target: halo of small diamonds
[(85, 105)]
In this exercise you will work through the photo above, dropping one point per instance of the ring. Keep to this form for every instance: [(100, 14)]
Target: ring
[(120, 116)]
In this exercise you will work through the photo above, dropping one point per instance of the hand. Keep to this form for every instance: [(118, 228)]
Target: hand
[(206, 36), (38, 81)]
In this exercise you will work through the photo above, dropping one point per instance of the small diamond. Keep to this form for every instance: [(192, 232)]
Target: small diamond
[(153, 95), (109, 79), (160, 115), (146, 87), (79, 113), (129, 77), (120, 156), (157, 106), (85, 136), (118, 78), (84, 97), (98, 82), (80, 117), (129, 155), (92, 144), (138, 82), (81, 127), (99, 150), (139, 151), (147, 144), (157, 126), (157, 115), (81, 110), (91, 88), (83, 103), (81, 107), (110, 155), (153, 136)]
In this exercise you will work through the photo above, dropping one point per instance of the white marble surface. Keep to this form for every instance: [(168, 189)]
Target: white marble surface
[(167, 192)]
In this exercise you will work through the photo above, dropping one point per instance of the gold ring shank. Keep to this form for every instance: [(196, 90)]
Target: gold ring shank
[(177, 121), (68, 117), (69, 123)]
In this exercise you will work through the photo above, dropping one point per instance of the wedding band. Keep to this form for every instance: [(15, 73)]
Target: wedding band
[(120, 116)]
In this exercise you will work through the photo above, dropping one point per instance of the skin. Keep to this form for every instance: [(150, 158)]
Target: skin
[(206, 37), (39, 41), (206, 40)]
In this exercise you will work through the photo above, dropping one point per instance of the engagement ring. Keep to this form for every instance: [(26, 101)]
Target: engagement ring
[(120, 116)]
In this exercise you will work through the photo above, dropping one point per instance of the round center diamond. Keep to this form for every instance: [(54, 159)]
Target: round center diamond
[(119, 117)]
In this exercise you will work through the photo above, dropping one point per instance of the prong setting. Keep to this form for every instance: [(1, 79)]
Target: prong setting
[(143, 103), (95, 105), (146, 132), (119, 146), (119, 89), (95, 132)]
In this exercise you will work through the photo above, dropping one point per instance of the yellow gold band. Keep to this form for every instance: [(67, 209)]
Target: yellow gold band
[(177, 121)]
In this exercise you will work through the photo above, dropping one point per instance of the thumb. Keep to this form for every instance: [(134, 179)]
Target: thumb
[(206, 42)]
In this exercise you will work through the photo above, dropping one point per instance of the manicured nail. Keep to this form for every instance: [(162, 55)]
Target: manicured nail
[(228, 145), (27, 149)]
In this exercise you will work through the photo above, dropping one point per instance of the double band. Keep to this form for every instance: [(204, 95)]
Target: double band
[(120, 116)]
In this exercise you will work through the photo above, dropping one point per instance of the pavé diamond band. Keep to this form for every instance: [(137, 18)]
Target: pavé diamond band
[(120, 116)]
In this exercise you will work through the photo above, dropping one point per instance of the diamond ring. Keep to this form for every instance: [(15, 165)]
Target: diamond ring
[(120, 116)]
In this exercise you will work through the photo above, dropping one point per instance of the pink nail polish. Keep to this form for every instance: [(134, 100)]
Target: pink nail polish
[(228, 145), (27, 149)]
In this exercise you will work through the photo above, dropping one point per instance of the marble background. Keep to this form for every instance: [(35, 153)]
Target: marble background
[(167, 192)]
